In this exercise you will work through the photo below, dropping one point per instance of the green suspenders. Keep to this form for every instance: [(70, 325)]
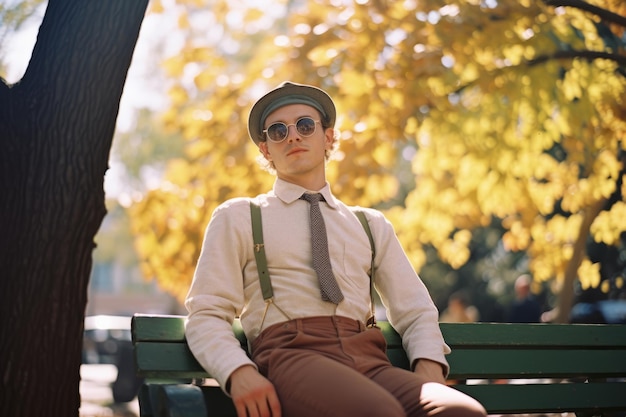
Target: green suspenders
[(371, 322), (261, 260), (259, 252)]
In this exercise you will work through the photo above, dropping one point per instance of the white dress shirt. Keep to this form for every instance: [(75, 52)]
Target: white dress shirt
[(226, 283)]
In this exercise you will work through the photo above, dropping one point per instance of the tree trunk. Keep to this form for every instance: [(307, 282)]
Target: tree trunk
[(566, 295), (56, 129)]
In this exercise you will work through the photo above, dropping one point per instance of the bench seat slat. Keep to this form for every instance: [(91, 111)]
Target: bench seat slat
[(543, 398)]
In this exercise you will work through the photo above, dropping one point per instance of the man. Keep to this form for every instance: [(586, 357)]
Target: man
[(311, 353), (459, 309), (525, 307)]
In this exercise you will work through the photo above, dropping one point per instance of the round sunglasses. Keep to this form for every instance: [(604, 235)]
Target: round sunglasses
[(278, 132)]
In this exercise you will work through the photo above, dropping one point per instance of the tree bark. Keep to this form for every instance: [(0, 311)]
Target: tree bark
[(56, 129)]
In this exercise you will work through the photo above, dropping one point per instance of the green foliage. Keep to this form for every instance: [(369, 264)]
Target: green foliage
[(13, 15), (146, 145)]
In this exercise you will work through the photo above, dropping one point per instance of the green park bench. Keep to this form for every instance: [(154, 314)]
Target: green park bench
[(509, 368)]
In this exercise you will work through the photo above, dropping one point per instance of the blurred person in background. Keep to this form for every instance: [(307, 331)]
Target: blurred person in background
[(459, 309), (525, 308)]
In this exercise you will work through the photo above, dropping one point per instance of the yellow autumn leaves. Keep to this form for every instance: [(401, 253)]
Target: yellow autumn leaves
[(500, 126)]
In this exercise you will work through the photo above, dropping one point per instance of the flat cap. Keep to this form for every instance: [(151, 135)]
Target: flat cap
[(289, 93)]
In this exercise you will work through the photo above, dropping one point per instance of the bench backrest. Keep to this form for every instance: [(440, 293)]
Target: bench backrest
[(592, 358)]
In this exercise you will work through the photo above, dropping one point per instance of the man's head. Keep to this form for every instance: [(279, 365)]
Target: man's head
[(289, 93), (522, 286)]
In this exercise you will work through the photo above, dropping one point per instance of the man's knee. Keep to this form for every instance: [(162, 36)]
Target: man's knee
[(458, 404), (301, 407), (468, 409), (356, 397)]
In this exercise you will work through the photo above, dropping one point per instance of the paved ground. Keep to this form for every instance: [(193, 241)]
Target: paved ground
[(94, 410), (96, 395)]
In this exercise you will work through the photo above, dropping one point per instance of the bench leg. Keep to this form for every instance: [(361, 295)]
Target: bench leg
[(172, 400)]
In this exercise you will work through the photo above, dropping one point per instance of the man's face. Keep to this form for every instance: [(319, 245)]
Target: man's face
[(298, 158)]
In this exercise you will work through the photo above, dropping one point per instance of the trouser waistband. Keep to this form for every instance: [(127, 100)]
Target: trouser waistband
[(337, 322)]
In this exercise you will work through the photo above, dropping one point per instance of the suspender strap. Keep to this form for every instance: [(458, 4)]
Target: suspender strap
[(259, 251), (261, 260), (361, 216)]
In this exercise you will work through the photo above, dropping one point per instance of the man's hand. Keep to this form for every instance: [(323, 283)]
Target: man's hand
[(430, 370), (253, 394)]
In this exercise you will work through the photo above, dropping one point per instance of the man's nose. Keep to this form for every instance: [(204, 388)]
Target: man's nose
[(292, 133)]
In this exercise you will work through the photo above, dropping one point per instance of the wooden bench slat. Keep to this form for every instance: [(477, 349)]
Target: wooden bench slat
[(544, 398), (552, 335), (158, 328), (154, 359), (167, 360), (164, 328), (172, 328), (175, 359), (537, 363)]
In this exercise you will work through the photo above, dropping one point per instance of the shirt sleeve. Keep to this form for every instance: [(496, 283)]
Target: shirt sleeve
[(410, 308), (216, 294)]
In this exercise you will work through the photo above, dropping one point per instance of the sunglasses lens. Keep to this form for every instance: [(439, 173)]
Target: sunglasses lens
[(277, 132), (305, 126)]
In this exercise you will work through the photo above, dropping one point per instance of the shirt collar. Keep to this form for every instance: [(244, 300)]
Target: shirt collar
[(289, 192)]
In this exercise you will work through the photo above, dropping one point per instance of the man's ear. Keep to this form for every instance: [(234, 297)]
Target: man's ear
[(264, 150), (329, 137)]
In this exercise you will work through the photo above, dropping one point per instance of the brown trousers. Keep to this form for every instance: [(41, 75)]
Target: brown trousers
[(334, 366)]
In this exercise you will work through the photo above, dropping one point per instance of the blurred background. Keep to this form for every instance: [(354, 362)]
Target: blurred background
[(491, 133)]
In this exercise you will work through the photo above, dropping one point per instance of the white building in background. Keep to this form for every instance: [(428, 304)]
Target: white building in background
[(116, 290)]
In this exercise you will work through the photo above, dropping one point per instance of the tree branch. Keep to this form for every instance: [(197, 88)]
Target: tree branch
[(586, 55), (604, 14)]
